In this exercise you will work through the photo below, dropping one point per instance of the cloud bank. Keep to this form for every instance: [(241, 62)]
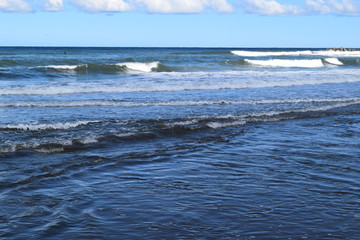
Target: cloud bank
[(53, 5), (185, 6), (259, 7), (309, 7), (14, 6), (344, 7), (271, 8)]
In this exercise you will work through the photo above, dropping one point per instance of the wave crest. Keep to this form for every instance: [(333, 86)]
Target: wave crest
[(269, 53), (330, 53), (140, 66), (44, 127), (124, 67), (313, 63)]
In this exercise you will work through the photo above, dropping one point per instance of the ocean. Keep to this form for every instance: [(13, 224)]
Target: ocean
[(179, 143)]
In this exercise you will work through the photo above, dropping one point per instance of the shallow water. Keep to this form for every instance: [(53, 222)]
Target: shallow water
[(179, 144)]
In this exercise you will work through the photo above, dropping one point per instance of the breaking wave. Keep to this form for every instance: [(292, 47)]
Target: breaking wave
[(126, 67), (141, 67), (115, 103), (44, 127), (316, 63), (330, 53), (153, 128), (303, 63), (333, 61), (268, 53)]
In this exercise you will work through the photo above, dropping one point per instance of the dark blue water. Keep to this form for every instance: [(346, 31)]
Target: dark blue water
[(151, 143)]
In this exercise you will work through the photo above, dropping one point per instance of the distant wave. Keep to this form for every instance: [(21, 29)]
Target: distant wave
[(303, 63), (331, 53), (140, 66), (270, 53), (62, 67), (129, 67), (333, 61), (313, 63)]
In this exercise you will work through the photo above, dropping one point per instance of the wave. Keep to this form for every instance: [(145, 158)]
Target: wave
[(333, 53), (158, 127), (304, 63), (62, 67), (270, 53), (115, 103), (125, 67), (330, 53), (333, 61), (192, 82), (313, 63), (139, 66), (44, 127)]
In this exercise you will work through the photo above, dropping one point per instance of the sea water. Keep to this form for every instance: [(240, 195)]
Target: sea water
[(179, 143)]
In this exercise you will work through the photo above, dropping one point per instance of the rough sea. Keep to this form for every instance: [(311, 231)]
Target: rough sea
[(179, 143)]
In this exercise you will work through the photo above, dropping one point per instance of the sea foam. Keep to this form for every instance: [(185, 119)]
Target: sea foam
[(140, 66), (62, 67), (333, 61), (42, 127), (62, 104), (330, 53), (313, 63)]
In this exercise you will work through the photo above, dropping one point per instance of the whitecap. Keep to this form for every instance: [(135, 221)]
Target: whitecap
[(313, 63), (140, 66), (333, 61), (61, 67), (44, 126)]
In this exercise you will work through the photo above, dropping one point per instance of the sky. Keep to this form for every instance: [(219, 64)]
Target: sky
[(181, 23)]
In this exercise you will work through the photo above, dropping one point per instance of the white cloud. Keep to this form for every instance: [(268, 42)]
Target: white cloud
[(310, 7), (53, 5), (260, 7), (185, 6), (344, 7), (14, 6), (102, 5), (271, 8)]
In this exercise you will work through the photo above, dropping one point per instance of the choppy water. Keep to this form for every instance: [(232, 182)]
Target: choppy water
[(179, 143)]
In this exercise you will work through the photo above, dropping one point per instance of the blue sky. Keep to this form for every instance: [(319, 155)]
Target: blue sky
[(180, 23)]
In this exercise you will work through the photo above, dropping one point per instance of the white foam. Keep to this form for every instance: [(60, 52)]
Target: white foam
[(171, 103), (183, 123), (313, 63), (178, 81), (50, 126), (216, 125), (297, 53), (333, 61), (140, 66), (269, 53), (61, 67), (89, 140), (333, 53)]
